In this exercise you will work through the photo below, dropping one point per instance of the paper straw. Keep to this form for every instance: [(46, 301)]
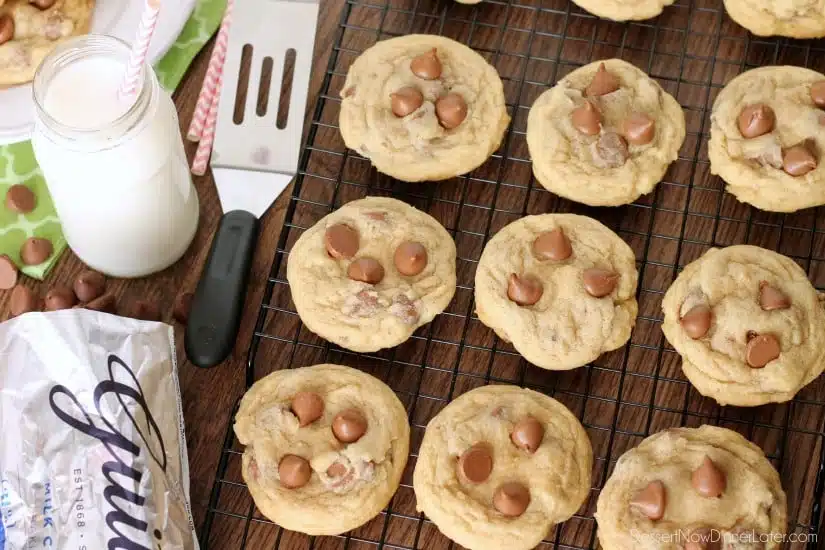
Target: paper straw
[(201, 159), (214, 69), (140, 47)]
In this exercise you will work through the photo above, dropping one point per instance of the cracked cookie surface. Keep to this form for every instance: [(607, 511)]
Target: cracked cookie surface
[(624, 10), (583, 293), (417, 146), (754, 167), (685, 486), (794, 18), (598, 161), (342, 296), (300, 473), (528, 460), (748, 324)]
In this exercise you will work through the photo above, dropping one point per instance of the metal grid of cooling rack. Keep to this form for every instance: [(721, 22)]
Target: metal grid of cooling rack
[(693, 49)]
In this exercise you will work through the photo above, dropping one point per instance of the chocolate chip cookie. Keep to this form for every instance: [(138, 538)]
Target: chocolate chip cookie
[(604, 135), (560, 287), (325, 447), (692, 489), (748, 324), (794, 18), (423, 107), (767, 136), (500, 465), (368, 275), (624, 10)]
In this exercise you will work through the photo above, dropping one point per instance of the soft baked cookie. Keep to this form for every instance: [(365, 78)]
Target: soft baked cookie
[(325, 447), (369, 274), (794, 18), (748, 324), (500, 465), (624, 10), (560, 287), (604, 135), (30, 30), (423, 107), (692, 489), (767, 137)]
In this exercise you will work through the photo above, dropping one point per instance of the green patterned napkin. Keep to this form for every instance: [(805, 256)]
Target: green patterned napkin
[(17, 164)]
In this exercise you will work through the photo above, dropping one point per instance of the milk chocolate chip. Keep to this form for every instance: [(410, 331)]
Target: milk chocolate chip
[(451, 110), (6, 28), (307, 406), (818, 94), (8, 273), (366, 270), (708, 479), (42, 4), (183, 304), (59, 297), (552, 245), (20, 199), (405, 101), (525, 290), (599, 282), (410, 258), (294, 471), (511, 499), (651, 501), (427, 65), (639, 129), (604, 82), (105, 303), (349, 425), (22, 300), (35, 251), (697, 321), (336, 469), (476, 463), (612, 150), (89, 285), (771, 298), (798, 160), (586, 119), (761, 350), (341, 241), (527, 434), (756, 120)]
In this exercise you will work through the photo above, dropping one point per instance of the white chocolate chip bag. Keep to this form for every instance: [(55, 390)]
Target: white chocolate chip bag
[(92, 446)]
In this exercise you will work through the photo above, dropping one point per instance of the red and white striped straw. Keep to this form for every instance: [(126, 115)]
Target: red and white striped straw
[(201, 159), (214, 69), (140, 47)]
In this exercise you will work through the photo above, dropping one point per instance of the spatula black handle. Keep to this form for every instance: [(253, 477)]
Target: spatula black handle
[(218, 302)]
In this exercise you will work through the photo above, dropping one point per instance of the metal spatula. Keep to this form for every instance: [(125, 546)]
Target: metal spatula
[(252, 161)]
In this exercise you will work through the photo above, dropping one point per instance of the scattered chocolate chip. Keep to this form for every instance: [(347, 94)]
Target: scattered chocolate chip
[(341, 241), (8, 273), (708, 479), (525, 290), (798, 160), (696, 322), (476, 463), (182, 307), (89, 285), (651, 501), (552, 245), (599, 282), (604, 82), (527, 434), (761, 350), (60, 297), (366, 270), (143, 311), (410, 258), (405, 101), (307, 406), (771, 298), (22, 300), (612, 150), (6, 28), (336, 469), (427, 65), (348, 426), (294, 471), (451, 110), (586, 119), (703, 539), (42, 4), (818, 94), (756, 120), (639, 129), (36, 250), (20, 199), (511, 499), (106, 303)]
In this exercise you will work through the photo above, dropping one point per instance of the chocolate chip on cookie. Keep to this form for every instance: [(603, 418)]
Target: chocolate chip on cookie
[(42, 4), (294, 471), (366, 270), (552, 245), (6, 28), (587, 119), (639, 129), (336, 469), (406, 100), (697, 321), (427, 65), (527, 434), (341, 241), (771, 298), (818, 94), (799, 160), (349, 425), (761, 350), (307, 406), (756, 120), (511, 499), (451, 110), (410, 258), (476, 463), (525, 290), (604, 82), (651, 501), (708, 480), (599, 282), (611, 150), (8, 273)]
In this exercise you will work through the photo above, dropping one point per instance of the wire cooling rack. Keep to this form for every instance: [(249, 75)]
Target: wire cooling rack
[(692, 49)]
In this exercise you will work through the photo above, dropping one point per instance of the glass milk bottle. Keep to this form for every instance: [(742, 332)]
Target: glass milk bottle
[(115, 168)]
